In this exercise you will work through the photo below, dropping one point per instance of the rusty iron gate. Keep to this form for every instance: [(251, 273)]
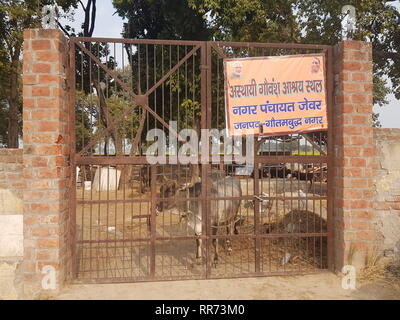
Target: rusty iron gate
[(126, 87)]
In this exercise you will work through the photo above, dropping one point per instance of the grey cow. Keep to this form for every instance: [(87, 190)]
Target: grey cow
[(223, 213)]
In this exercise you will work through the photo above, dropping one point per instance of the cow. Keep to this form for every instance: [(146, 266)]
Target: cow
[(279, 172), (265, 203), (222, 213), (300, 172), (275, 171), (145, 177)]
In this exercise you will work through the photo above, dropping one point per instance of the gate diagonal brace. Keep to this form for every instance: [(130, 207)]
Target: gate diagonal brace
[(135, 96), (316, 146), (99, 135), (126, 88)]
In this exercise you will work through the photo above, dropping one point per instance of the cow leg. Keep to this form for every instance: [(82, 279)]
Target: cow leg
[(311, 182), (228, 241), (235, 230), (215, 245), (149, 224), (199, 251)]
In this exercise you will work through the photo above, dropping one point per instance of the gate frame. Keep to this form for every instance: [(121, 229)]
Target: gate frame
[(205, 48), (327, 50)]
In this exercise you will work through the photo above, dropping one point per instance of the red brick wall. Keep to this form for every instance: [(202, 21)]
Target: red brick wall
[(354, 218), (11, 171), (11, 206), (46, 154)]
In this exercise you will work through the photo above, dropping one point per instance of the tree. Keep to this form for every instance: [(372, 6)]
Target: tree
[(250, 20), (164, 19), (378, 21), (15, 16), (94, 78), (296, 21), (161, 19), (173, 20), (312, 21)]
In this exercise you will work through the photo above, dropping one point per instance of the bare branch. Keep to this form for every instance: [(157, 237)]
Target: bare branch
[(63, 29), (83, 7)]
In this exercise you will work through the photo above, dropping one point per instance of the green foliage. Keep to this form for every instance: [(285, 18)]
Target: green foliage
[(298, 21), (249, 20), (378, 21), (161, 19), (167, 19), (117, 104), (15, 16), (375, 121), (89, 120), (189, 109), (85, 117), (381, 90), (312, 21), (189, 113)]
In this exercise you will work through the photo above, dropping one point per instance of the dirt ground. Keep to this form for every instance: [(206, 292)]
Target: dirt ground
[(109, 221), (326, 286)]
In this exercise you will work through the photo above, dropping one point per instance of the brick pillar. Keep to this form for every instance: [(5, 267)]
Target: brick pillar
[(354, 233), (45, 158)]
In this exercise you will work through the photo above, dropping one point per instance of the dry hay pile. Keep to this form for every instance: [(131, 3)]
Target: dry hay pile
[(378, 268), (298, 221), (309, 248)]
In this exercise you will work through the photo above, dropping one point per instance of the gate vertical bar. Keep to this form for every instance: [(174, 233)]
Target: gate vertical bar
[(153, 170), (72, 193), (257, 216), (206, 124), (209, 89), (204, 172), (330, 183)]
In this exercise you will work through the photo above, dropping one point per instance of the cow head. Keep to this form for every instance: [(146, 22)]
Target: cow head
[(169, 189)]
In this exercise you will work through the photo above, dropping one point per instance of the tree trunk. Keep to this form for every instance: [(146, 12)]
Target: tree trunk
[(13, 125), (127, 173), (106, 118), (13, 101)]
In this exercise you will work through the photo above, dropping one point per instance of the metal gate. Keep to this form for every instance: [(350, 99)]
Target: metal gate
[(131, 219)]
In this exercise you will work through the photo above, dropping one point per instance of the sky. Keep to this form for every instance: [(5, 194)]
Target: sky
[(109, 25)]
